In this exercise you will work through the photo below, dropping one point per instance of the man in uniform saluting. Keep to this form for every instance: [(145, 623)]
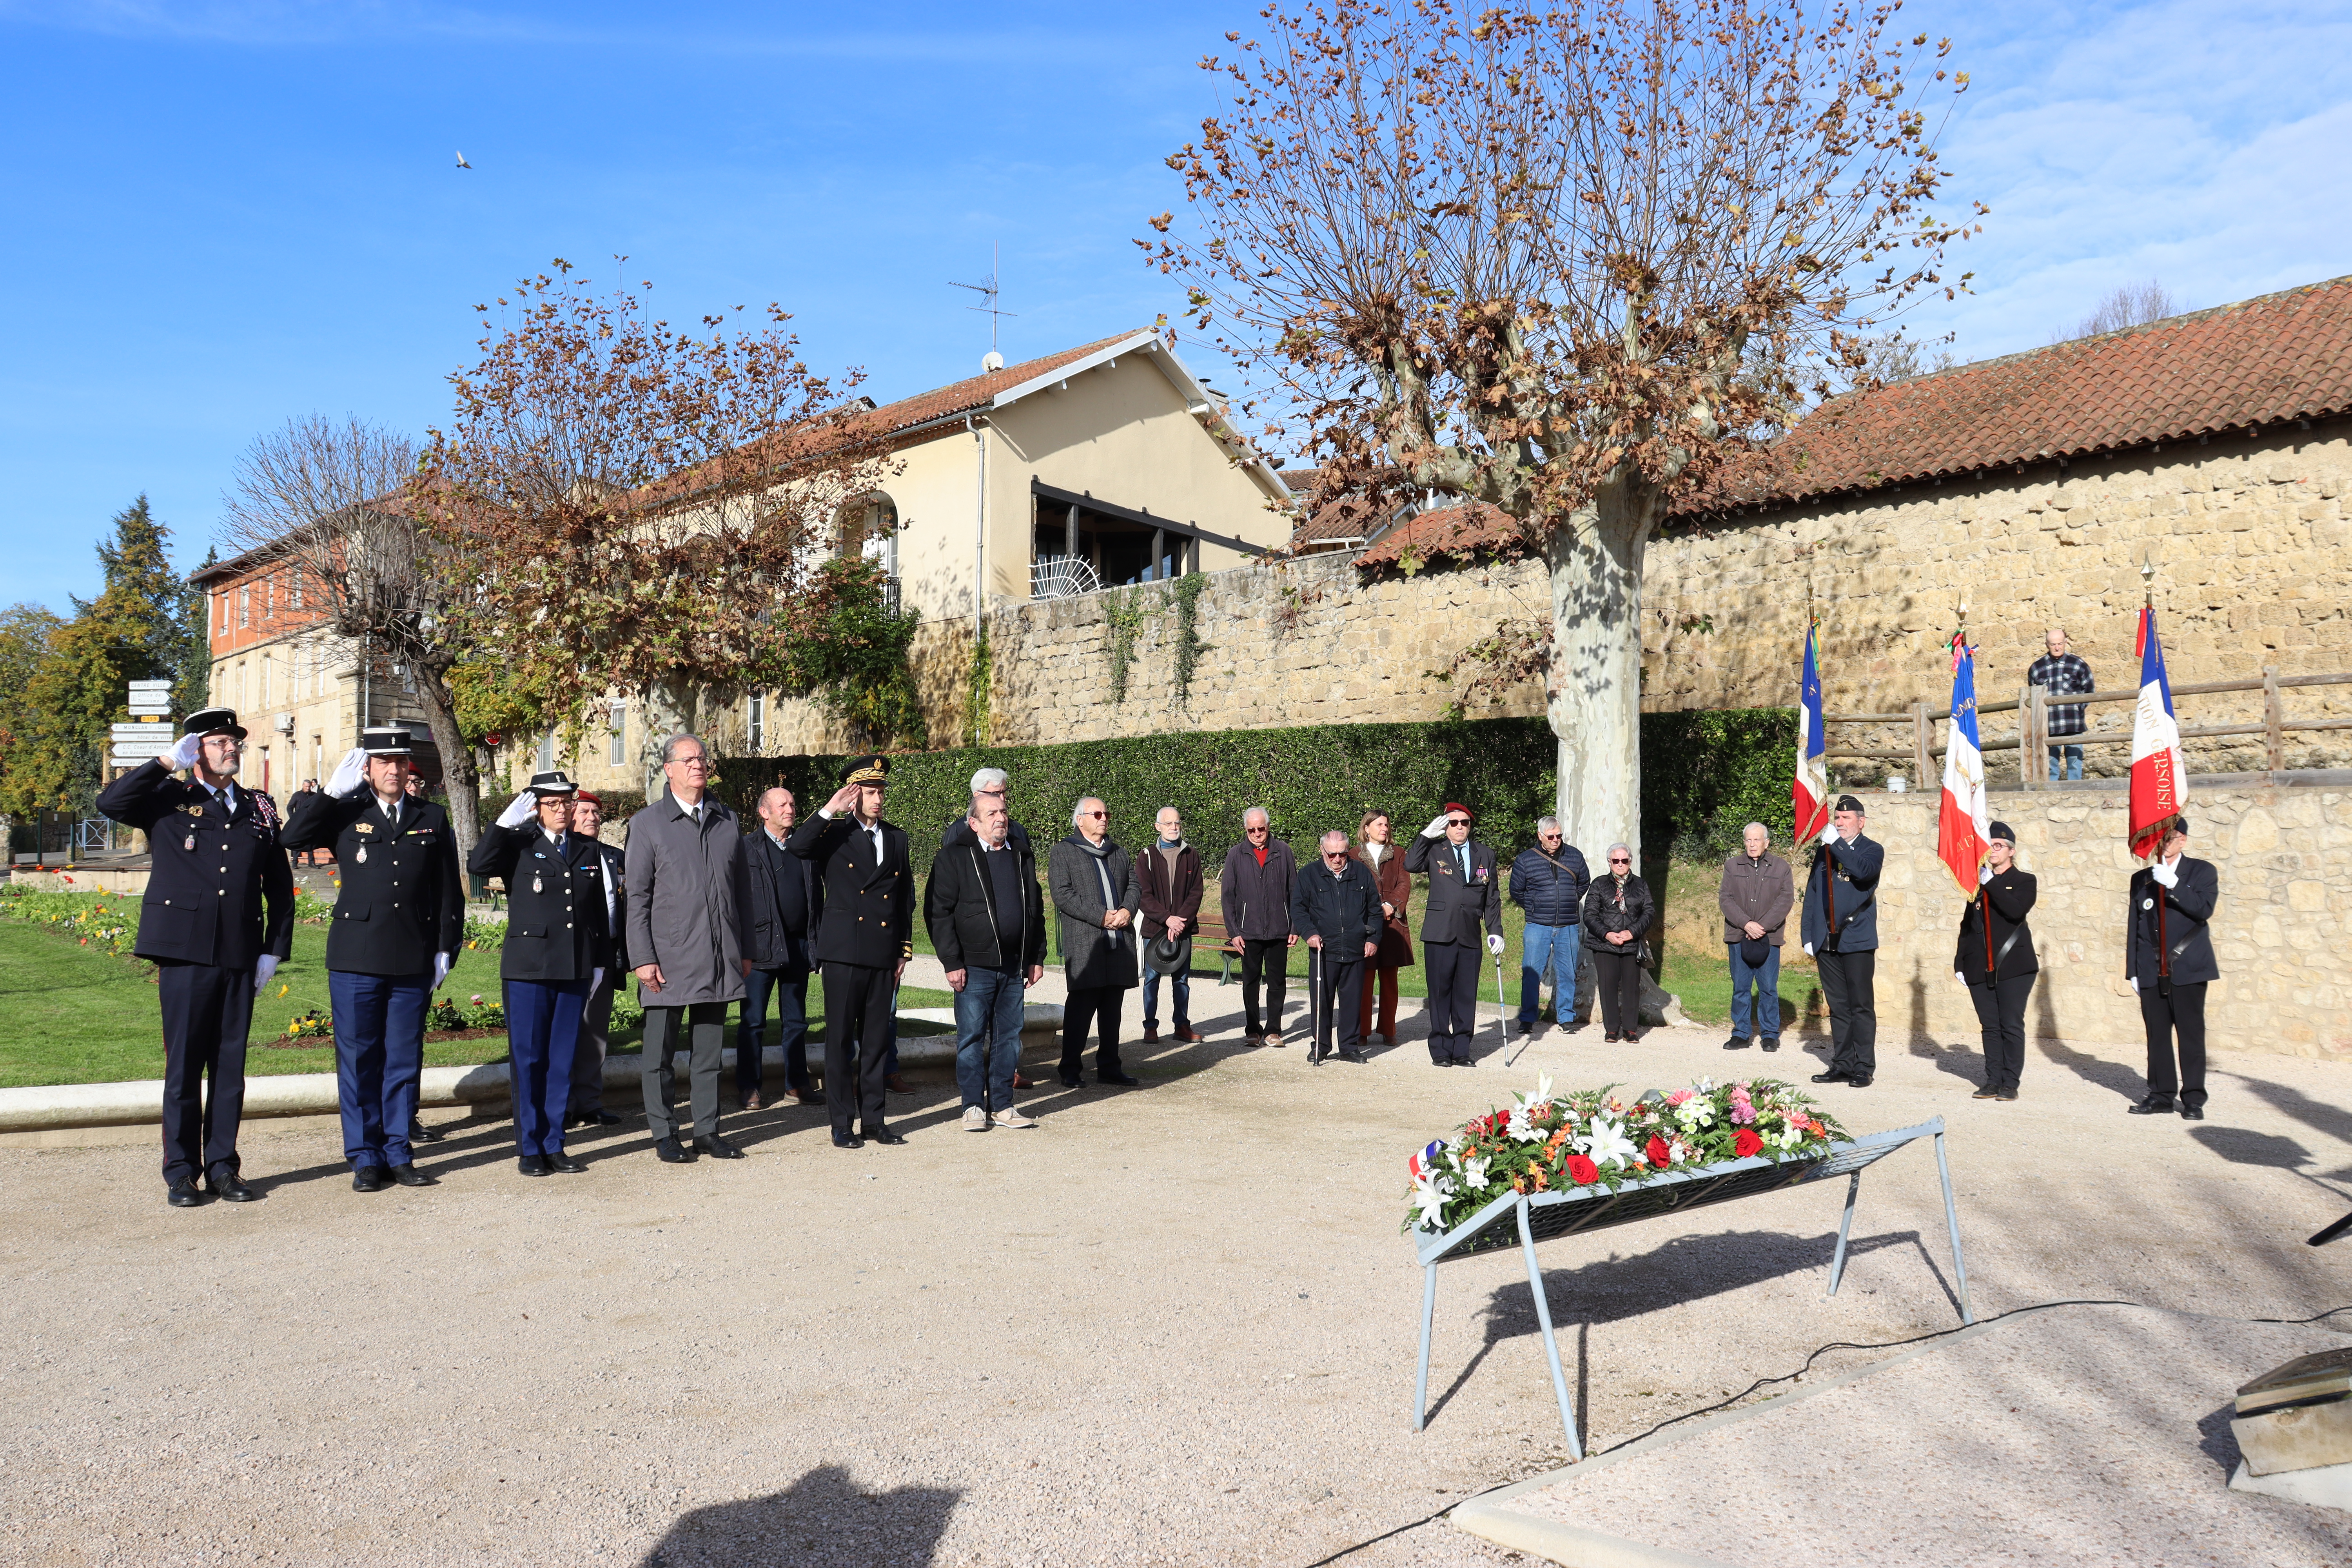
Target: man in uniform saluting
[(216, 862), (397, 926), (863, 945)]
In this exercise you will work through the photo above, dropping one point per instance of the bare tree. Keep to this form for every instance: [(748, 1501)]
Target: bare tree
[(321, 500), (2131, 305), (1567, 263)]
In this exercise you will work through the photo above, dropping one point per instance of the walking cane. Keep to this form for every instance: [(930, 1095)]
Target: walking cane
[(1502, 1012), (1315, 1007)]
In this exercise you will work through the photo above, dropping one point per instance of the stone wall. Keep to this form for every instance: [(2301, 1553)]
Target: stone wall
[(2284, 857)]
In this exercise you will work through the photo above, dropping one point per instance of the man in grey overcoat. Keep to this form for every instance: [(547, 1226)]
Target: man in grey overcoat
[(1095, 893), (689, 899)]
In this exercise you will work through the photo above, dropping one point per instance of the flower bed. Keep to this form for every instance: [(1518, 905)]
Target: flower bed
[(1548, 1141), (107, 922)]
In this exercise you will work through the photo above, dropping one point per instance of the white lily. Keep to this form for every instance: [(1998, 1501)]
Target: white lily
[(1429, 1196), (1542, 1096), (1473, 1174), (1522, 1126), (1606, 1145)]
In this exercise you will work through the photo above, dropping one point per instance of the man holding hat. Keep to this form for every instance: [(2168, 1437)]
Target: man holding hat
[(1464, 894), (1841, 932), (216, 919), (398, 923), (2170, 961), (553, 957), (862, 946)]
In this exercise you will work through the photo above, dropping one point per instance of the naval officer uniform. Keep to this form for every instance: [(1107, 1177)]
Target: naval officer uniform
[(862, 947)]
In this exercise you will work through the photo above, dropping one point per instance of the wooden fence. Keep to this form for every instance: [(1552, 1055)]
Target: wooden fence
[(2033, 740)]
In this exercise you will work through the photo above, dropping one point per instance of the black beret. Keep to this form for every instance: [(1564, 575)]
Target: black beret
[(1849, 803), (2001, 830)]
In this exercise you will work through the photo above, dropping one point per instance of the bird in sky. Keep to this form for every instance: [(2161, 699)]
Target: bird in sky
[(461, 160)]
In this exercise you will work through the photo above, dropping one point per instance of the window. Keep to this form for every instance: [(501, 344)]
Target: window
[(240, 684), (266, 662), (298, 587), (619, 722), (759, 724), (245, 604), (318, 750), (223, 596), (547, 751)]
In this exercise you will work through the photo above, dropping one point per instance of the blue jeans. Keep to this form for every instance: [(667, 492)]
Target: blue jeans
[(1559, 950), (789, 987), (988, 1013), (2074, 761), (1180, 996), (379, 1058), (1766, 975)]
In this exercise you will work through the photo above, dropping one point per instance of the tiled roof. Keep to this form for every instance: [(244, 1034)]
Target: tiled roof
[(1456, 531), (963, 396), (2260, 362)]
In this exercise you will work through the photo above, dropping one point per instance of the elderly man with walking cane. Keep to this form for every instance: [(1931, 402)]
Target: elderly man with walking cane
[(1337, 905)]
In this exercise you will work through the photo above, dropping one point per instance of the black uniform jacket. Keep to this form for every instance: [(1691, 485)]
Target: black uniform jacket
[(2006, 900), (1456, 907), (614, 953), (2185, 910), (402, 899), (214, 872), (555, 901), (869, 904), (1843, 881)]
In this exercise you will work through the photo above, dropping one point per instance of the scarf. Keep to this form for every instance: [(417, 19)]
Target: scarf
[(1102, 874)]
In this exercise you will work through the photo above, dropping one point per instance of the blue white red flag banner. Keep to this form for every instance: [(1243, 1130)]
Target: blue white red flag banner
[(1963, 830), (1811, 792), (2159, 776)]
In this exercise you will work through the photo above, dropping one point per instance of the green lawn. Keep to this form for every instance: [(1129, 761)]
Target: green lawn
[(71, 1013)]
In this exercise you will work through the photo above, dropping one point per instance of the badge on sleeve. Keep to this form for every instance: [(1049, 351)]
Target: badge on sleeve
[(2148, 903)]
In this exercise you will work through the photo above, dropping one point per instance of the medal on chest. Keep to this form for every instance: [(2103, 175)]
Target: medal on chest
[(536, 884), (191, 844), (362, 856)]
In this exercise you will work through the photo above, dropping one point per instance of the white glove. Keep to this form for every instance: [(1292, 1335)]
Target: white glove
[(1830, 833), (1984, 875), (1494, 945), (2167, 875), (520, 810), (595, 980), (263, 968), (1436, 828), (440, 969), (1809, 949), (349, 776), (188, 752), (1960, 977)]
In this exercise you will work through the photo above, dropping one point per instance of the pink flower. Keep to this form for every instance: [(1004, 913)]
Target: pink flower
[(1678, 1097), (478, 998)]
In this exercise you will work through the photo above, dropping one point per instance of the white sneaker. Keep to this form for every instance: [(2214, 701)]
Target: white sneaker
[(1011, 1116), (975, 1119)]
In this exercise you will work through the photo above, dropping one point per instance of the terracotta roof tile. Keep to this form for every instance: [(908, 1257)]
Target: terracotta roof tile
[(1456, 531), (963, 397)]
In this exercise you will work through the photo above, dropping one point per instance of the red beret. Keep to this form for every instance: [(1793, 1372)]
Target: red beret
[(1452, 807), (591, 797)]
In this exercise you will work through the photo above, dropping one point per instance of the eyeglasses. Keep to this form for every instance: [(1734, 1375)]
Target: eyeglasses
[(1094, 814), (1457, 822), (1619, 860), (691, 762), (1252, 832)]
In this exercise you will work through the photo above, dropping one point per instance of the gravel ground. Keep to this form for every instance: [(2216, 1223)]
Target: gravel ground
[(1172, 1324)]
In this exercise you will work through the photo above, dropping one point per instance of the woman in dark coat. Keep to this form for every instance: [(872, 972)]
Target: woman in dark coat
[(1617, 909), (1377, 848), (1995, 960)]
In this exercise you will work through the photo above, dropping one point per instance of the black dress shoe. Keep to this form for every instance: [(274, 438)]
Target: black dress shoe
[(674, 1152), (1771, 1042), (847, 1141), (557, 1160), (183, 1194), (420, 1134), (1986, 1092), (718, 1148), (2006, 1094), (884, 1135), (1737, 1043), (532, 1164), (1070, 1082), (2154, 1105), (1833, 1076), (1355, 1056), (2192, 1113), (1124, 1079), (596, 1119), (410, 1176), (230, 1187), (1855, 1080), (370, 1179)]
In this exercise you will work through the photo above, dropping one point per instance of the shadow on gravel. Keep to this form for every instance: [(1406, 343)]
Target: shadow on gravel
[(823, 1517), (2123, 1080)]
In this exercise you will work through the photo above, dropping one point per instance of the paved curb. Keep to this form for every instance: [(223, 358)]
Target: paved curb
[(47, 1106)]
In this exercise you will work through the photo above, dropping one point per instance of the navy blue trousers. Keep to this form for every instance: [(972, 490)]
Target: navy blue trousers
[(207, 1012), (543, 1033), (379, 1056)]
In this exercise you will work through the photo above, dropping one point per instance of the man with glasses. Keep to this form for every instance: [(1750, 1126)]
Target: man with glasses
[(216, 919), (1462, 896), (1547, 881), (1259, 876), (1095, 895), (1337, 905)]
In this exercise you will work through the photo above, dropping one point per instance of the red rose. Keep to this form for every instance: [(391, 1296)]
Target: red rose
[(1745, 1142), (1660, 1155), (1582, 1170)]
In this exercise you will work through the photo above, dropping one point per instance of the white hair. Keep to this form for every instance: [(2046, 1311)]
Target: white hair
[(1547, 824), (1758, 827), (1338, 833), (1614, 848), (988, 779), (1257, 811), (1078, 811)]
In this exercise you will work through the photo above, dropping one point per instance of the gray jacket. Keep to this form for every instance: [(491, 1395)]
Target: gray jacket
[(1092, 956), (690, 902), (1761, 890)]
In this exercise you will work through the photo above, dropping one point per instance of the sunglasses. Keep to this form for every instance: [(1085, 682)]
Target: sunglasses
[(1457, 822), (1619, 860), (1094, 814), (1253, 831)]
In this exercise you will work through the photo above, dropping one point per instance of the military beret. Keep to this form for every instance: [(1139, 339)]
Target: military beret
[(1851, 803)]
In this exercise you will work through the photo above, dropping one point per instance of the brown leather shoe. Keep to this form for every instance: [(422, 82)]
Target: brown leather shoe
[(755, 1102), (807, 1096), (898, 1084), (1150, 1033), (1189, 1036), (1021, 1082)]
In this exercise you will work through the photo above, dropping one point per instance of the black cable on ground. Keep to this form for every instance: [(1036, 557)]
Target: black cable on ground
[(1791, 1377)]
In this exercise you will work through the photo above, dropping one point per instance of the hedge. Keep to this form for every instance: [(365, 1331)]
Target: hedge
[(1705, 774)]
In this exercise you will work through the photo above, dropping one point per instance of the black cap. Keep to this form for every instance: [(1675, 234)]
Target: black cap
[(1850, 803), (212, 721), (873, 768), (552, 783), (385, 740), (2179, 824), (2001, 830)]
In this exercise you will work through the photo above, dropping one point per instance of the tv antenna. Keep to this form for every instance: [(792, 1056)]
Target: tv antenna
[(987, 290)]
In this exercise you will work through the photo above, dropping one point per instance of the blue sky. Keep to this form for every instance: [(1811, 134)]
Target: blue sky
[(223, 214)]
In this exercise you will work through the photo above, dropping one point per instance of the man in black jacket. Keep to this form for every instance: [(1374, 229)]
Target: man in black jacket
[(1841, 932), (1464, 894), (1337, 905), (396, 929), (2169, 958), (553, 956), (987, 921), (1254, 889), (596, 1017), (862, 946), (216, 919), (787, 901)]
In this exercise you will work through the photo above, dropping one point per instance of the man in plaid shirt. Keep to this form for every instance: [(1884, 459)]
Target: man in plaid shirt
[(2062, 674)]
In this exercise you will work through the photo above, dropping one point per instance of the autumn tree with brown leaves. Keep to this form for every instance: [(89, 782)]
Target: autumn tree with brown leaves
[(1568, 263), (640, 508)]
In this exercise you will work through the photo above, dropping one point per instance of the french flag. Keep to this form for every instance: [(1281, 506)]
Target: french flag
[(2159, 778), (1962, 826), (1811, 790)]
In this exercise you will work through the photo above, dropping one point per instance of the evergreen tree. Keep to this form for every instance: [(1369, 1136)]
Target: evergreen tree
[(25, 631), (190, 665)]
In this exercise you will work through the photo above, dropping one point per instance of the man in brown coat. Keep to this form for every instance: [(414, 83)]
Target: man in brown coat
[(1167, 878), (1759, 891)]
